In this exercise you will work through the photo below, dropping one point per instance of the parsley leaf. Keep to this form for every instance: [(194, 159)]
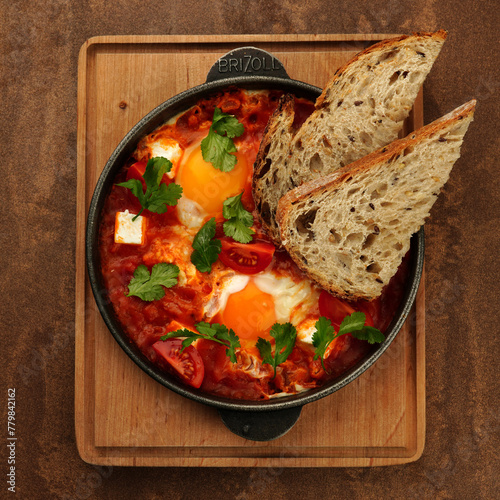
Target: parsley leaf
[(349, 324), (148, 286), (218, 144), (228, 124), (284, 334), (266, 351), (156, 168), (370, 334), (353, 324), (322, 338), (216, 332), (239, 220), (158, 195), (136, 187), (206, 247)]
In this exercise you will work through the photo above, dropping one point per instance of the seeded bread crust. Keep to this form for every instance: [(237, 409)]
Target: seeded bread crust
[(349, 231), (362, 108)]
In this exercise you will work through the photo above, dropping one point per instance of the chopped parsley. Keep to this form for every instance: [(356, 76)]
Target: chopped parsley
[(217, 147), (284, 334), (148, 286), (216, 332), (158, 196), (239, 221), (206, 247), (353, 324)]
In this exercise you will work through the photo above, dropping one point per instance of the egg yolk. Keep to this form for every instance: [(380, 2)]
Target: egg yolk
[(250, 313), (209, 187)]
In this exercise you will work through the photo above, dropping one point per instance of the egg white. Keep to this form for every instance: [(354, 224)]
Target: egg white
[(226, 286), (190, 213), (306, 330), (292, 301)]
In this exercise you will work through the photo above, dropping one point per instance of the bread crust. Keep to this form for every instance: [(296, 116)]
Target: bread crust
[(384, 44), (339, 178), (284, 113)]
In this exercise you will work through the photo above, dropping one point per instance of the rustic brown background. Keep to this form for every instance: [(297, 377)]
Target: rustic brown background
[(39, 46)]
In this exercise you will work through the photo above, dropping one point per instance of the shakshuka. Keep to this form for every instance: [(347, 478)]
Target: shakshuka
[(215, 303)]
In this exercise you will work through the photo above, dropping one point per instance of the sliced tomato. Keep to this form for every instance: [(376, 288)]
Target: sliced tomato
[(336, 309), (136, 171), (188, 363), (246, 258)]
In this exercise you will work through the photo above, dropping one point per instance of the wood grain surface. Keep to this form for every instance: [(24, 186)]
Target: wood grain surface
[(39, 47), (112, 429)]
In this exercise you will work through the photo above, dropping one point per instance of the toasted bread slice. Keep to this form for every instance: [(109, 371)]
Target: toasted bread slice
[(350, 230), (362, 108)]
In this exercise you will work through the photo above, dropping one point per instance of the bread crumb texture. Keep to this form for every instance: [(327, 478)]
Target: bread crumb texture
[(351, 234), (362, 108)]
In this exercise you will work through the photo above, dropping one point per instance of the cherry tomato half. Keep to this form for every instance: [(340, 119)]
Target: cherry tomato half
[(336, 309), (188, 363), (136, 171), (246, 258)]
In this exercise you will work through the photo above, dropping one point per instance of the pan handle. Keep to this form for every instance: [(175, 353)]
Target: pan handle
[(246, 61), (260, 425)]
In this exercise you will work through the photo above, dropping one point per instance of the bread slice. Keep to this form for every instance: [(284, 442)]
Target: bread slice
[(362, 108), (349, 231), (271, 179)]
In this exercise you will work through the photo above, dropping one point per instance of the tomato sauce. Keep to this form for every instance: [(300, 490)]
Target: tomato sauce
[(145, 322)]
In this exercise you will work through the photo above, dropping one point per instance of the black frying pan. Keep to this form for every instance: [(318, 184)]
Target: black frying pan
[(249, 68)]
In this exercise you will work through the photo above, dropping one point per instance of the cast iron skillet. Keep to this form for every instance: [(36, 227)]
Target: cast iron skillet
[(250, 68)]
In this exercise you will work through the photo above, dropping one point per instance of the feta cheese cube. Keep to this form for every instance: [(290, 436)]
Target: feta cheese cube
[(129, 231), (169, 149)]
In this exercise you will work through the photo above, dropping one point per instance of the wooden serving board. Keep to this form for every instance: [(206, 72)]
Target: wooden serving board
[(124, 417)]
